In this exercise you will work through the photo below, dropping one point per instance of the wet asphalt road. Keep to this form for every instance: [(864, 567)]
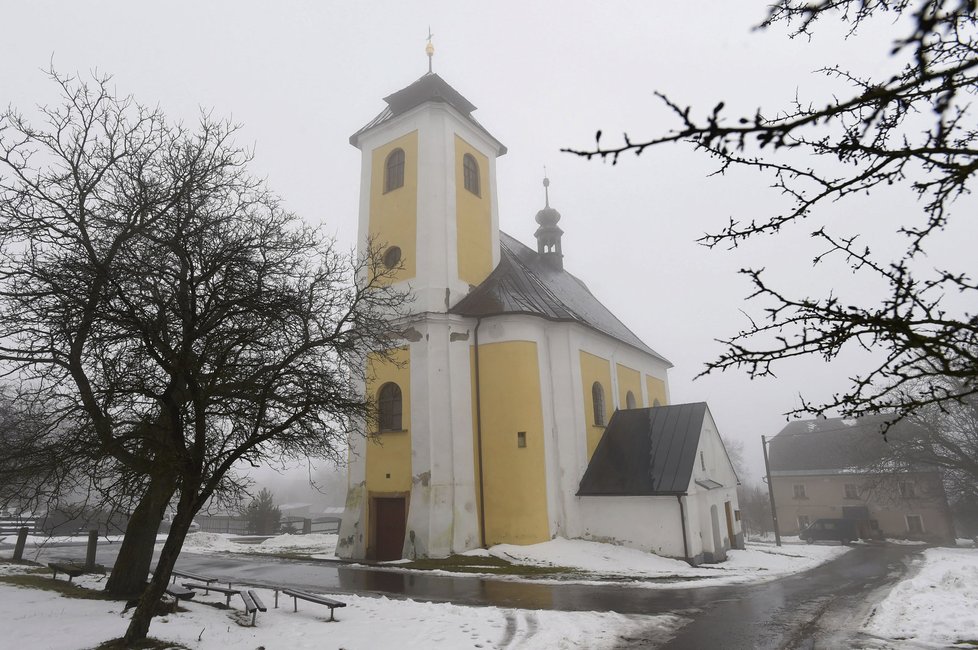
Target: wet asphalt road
[(821, 608)]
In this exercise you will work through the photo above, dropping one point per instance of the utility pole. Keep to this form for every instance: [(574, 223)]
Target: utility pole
[(770, 493)]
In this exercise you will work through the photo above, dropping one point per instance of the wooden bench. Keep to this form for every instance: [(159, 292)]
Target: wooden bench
[(227, 592), (313, 598), (193, 576), (72, 570), (252, 603)]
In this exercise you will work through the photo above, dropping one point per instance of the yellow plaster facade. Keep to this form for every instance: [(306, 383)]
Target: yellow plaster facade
[(595, 369), (629, 380), (473, 218), (657, 391), (394, 214), (389, 453), (514, 476)]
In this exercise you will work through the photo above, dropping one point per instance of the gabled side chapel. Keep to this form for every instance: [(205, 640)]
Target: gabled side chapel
[(520, 409)]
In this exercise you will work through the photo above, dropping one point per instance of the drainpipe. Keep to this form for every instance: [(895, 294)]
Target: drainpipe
[(682, 522), (478, 438)]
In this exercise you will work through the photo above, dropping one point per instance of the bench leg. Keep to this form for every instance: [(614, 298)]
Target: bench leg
[(332, 613), (276, 599), (254, 616)]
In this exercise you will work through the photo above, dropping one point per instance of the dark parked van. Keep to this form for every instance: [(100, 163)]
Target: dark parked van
[(842, 530)]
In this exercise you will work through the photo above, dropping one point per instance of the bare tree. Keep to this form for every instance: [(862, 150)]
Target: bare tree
[(175, 319), (915, 128)]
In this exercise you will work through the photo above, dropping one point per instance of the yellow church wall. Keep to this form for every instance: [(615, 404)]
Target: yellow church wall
[(657, 391), (389, 453), (474, 218), (394, 214), (629, 380), (514, 476), (595, 369)]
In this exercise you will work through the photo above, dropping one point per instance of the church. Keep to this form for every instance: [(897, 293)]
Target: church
[(519, 409)]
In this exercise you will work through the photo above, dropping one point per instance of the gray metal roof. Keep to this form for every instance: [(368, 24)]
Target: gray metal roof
[(833, 444), (524, 283), (429, 88), (646, 452)]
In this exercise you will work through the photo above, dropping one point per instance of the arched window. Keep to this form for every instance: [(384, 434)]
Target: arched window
[(389, 407), (597, 401), (656, 403), (630, 400), (470, 174), (394, 170)]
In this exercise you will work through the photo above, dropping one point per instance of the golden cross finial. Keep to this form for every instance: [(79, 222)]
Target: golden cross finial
[(429, 49)]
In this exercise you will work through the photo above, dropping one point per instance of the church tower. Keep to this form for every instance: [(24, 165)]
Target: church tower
[(428, 201)]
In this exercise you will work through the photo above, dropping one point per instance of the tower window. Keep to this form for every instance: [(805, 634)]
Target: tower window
[(470, 174), (630, 400), (389, 407), (394, 170), (392, 257), (597, 400)]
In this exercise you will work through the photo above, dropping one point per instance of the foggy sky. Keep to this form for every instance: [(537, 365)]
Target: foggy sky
[(302, 76)]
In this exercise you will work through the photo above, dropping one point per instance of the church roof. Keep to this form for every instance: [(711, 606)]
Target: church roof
[(524, 283), (646, 452), (429, 88)]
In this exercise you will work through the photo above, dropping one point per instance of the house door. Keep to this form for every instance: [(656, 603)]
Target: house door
[(730, 529), (389, 523)]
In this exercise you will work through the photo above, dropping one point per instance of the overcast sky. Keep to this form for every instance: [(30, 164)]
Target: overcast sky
[(301, 77)]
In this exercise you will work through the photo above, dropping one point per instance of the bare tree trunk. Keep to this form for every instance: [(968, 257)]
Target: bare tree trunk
[(143, 614), (128, 577)]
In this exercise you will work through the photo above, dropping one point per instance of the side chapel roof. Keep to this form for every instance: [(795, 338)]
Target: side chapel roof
[(646, 452), (429, 88), (523, 283)]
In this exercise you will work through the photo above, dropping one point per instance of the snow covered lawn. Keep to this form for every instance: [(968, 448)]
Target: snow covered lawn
[(759, 562), (590, 562), (364, 623), (938, 605)]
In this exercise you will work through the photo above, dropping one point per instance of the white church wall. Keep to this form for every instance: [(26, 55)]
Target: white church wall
[(650, 524)]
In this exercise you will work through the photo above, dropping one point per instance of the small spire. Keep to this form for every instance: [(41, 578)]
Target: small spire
[(429, 49), (546, 186)]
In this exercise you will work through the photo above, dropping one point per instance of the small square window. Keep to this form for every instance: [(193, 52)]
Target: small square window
[(852, 492), (800, 492), (521, 439), (907, 490)]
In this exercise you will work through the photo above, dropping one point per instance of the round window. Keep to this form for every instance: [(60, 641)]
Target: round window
[(392, 257)]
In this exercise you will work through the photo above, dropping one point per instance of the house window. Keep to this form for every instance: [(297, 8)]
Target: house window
[(802, 521), (907, 490), (394, 171), (915, 524), (852, 492), (702, 461), (389, 407), (800, 492), (630, 400), (597, 401), (470, 174)]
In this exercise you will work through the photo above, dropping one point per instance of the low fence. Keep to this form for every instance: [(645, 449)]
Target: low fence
[(12, 525), (238, 525)]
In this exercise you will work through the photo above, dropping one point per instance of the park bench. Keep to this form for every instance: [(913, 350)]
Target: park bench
[(194, 576), (227, 592), (72, 570), (313, 598), (252, 603)]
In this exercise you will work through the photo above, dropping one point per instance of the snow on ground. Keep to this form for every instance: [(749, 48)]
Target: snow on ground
[(364, 623), (756, 563), (938, 605), (595, 561), (314, 545)]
